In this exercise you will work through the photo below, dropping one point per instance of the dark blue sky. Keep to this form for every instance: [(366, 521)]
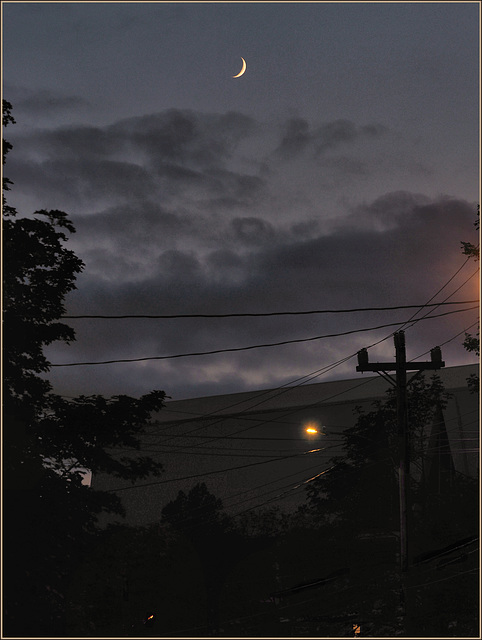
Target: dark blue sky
[(341, 170)]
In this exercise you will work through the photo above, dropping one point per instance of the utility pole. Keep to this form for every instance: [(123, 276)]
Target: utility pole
[(401, 366), (403, 444)]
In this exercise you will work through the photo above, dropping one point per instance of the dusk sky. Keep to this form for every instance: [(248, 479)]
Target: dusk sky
[(340, 171)]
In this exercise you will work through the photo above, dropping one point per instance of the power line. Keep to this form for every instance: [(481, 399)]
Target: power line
[(444, 301), (251, 407), (264, 462), (328, 368), (212, 439), (257, 346), (452, 577), (221, 419), (264, 422), (284, 389), (229, 453), (338, 438), (242, 466), (292, 485), (255, 315), (209, 473), (241, 416), (289, 386), (427, 304), (474, 324)]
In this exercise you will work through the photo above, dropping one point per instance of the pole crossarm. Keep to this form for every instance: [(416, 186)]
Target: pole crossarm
[(389, 366), (435, 362)]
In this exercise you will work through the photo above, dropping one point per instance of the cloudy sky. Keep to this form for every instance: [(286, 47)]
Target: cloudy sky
[(339, 172)]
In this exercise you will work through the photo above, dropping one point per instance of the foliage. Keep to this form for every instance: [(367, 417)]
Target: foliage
[(472, 343), (357, 504), (235, 556), (265, 522), (38, 272), (468, 248), (49, 441), (197, 514), (345, 494), (64, 435), (126, 571)]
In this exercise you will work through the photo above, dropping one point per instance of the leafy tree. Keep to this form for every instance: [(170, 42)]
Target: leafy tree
[(471, 342), (127, 571), (468, 248), (357, 504), (197, 514), (235, 556), (362, 487), (49, 440), (265, 522), (202, 526)]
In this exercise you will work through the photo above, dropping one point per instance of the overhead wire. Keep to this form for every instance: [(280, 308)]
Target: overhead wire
[(251, 315), (386, 337), (272, 393), (452, 577), (213, 472), (257, 452), (274, 459), (427, 315), (428, 303), (348, 357), (331, 434), (329, 367), (248, 453), (420, 308), (256, 346), (197, 475), (190, 525), (262, 422), (219, 471), (291, 486), (357, 584), (324, 370), (275, 419)]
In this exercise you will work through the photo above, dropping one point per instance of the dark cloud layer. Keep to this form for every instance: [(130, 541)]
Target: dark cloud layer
[(183, 212), (42, 102), (297, 136)]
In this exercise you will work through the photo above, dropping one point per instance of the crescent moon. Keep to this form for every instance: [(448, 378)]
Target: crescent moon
[(242, 70)]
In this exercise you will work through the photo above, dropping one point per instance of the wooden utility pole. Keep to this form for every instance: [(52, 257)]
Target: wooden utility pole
[(401, 366), (403, 443)]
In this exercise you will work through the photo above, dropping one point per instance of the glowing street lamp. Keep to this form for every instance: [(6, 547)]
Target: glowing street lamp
[(312, 428)]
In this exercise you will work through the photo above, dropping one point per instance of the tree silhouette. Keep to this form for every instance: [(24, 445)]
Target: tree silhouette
[(197, 514), (356, 503), (203, 527), (49, 441), (472, 342)]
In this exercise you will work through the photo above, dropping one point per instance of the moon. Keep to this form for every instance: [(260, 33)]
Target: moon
[(242, 70)]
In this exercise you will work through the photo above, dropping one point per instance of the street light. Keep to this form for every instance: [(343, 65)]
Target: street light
[(313, 428)]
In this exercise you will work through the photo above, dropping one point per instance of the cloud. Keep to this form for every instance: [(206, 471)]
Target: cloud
[(42, 103), (192, 138), (182, 212), (253, 230), (296, 136)]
